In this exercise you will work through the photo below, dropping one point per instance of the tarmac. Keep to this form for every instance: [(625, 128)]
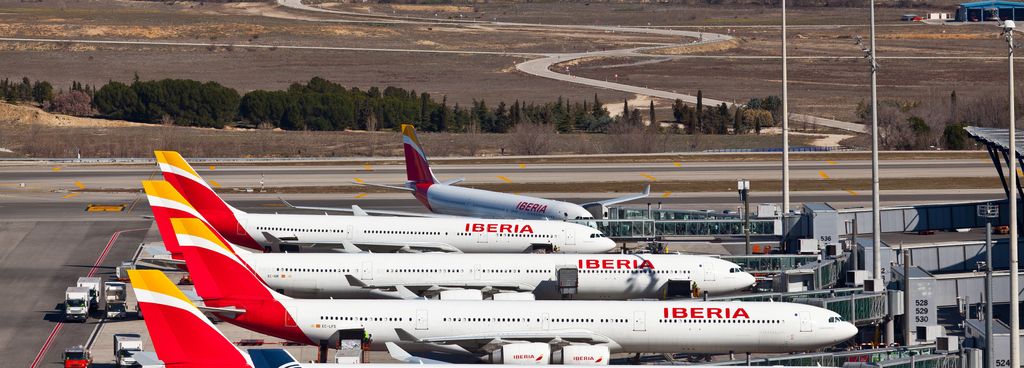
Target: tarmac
[(48, 240)]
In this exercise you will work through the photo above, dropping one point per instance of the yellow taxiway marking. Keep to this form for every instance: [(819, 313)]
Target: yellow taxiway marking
[(214, 183), (666, 194), (213, 168), (360, 195), (830, 162), (522, 166), (357, 180), (853, 193), (1020, 172), (649, 177), (69, 195), (823, 174), (79, 185), (56, 168), (367, 167), (504, 179), (678, 164)]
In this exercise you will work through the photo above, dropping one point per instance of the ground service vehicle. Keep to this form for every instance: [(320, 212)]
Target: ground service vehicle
[(77, 357), (124, 346), (76, 304), (115, 294), (95, 286)]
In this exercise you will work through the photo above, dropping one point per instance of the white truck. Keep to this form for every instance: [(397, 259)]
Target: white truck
[(115, 294), (95, 286), (76, 304), (124, 346)]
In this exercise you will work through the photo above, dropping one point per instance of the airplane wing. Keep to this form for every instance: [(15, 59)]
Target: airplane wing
[(395, 187), (434, 288), (486, 342), (452, 181), (625, 198), (358, 211), (401, 355)]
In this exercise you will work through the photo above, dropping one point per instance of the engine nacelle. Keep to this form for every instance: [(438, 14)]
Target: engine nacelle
[(582, 355), (536, 353), (514, 296), (461, 294)]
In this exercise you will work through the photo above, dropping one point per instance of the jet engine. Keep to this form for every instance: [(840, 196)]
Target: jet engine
[(536, 353), (582, 355)]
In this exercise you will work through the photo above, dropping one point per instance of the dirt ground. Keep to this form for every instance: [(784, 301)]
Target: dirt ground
[(828, 77)]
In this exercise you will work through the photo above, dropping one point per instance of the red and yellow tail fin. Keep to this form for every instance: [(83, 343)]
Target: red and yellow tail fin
[(167, 203), (417, 169), (204, 199), (182, 336), (224, 280)]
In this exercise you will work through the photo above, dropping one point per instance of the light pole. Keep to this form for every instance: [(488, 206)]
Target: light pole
[(785, 119), (988, 211), (1008, 27), (743, 187)]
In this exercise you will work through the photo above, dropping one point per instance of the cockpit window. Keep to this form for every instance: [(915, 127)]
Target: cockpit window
[(735, 270), (835, 319), (598, 235)]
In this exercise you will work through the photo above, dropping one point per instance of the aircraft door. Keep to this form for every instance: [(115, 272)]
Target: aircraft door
[(350, 232), (570, 237), (545, 322), (805, 322), (367, 271), (639, 321), (709, 273), (422, 323), (476, 272), (481, 237)]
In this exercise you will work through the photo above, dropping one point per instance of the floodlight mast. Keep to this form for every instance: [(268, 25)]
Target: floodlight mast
[(1008, 29), (785, 118)]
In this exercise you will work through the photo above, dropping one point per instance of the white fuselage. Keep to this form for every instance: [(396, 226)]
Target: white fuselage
[(624, 326), (462, 201), (466, 235), (600, 276)]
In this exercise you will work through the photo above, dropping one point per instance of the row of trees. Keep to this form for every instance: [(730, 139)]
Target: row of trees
[(935, 122)]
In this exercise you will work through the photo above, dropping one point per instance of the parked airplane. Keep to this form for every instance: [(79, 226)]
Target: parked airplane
[(190, 193), (384, 275), (184, 338), (442, 197), (232, 291)]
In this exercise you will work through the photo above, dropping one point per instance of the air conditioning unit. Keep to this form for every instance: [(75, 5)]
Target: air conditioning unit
[(929, 333), (874, 286), (855, 278), (947, 344), (808, 246), (833, 250)]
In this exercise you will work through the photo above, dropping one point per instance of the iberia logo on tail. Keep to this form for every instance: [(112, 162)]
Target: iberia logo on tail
[(203, 199), (182, 336)]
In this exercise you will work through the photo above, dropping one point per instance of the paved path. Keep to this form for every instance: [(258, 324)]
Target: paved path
[(541, 67)]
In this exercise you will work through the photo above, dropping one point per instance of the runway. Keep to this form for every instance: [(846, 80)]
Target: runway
[(49, 178)]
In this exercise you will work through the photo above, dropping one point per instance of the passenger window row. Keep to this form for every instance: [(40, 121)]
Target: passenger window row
[(366, 319), (403, 232), (299, 230), (644, 270), (321, 270)]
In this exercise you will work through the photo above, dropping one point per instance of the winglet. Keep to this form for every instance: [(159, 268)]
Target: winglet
[(406, 336)]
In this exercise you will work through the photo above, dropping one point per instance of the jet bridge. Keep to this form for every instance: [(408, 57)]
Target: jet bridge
[(997, 142)]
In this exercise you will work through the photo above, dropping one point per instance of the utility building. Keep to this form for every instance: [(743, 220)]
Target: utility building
[(982, 11)]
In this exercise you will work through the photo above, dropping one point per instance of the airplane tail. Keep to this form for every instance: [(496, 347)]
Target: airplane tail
[(417, 168), (182, 336), (229, 286), (166, 203), (203, 199)]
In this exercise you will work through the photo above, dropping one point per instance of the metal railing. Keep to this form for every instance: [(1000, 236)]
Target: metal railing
[(653, 229), (887, 357)]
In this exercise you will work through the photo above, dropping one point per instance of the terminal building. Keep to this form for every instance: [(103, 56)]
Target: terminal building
[(995, 11)]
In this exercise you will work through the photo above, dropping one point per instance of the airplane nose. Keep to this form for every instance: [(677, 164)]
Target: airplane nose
[(849, 330), (749, 280), (609, 245)]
